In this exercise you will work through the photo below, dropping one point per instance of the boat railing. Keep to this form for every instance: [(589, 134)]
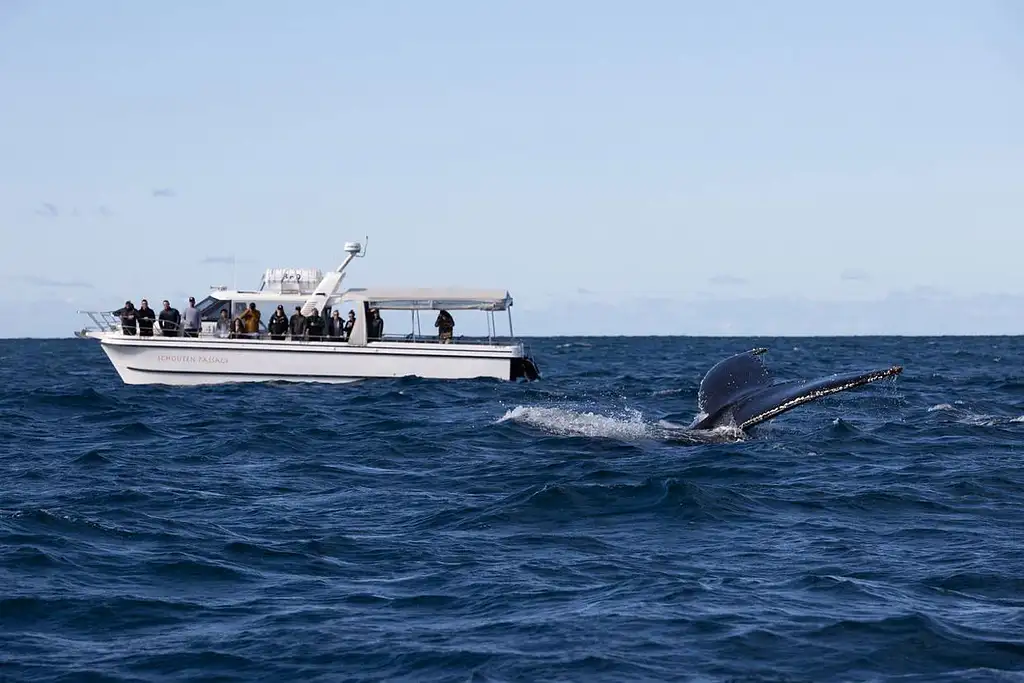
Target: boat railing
[(107, 322), (104, 321)]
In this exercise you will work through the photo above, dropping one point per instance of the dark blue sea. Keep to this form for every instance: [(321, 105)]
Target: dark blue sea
[(476, 531)]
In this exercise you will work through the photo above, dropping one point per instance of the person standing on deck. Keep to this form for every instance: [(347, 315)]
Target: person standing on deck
[(251, 321), (336, 326), (445, 324), (350, 323), (170, 320), (146, 317), (298, 324), (224, 324), (315, 326), (192, 325), (128, 318), (374, 325), (278, 324)]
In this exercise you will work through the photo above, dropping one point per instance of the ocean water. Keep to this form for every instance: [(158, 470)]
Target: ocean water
[(415, 530)]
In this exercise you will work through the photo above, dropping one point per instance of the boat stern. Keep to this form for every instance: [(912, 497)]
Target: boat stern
[(525, 367)]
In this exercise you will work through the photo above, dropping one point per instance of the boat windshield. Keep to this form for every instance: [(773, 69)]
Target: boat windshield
[(210, 308)]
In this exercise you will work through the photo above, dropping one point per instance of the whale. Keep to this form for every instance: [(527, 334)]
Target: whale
[(740, 391)]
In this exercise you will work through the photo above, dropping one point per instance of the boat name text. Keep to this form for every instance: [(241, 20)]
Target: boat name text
[(175, 358)]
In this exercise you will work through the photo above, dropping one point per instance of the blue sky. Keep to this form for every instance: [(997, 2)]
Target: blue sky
[(649, 167)]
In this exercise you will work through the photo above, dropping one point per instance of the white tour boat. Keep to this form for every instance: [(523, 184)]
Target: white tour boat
[(214, 356)]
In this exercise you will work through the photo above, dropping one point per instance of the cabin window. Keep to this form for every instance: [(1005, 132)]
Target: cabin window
[(210, 308)]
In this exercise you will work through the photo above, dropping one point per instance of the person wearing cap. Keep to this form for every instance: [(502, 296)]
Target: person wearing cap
[(278, 324), (192, 325)]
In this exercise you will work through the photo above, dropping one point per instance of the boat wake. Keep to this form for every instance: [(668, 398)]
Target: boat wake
[(629, 425)]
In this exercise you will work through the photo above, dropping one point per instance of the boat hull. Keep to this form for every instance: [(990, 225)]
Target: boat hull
[(197, 361)]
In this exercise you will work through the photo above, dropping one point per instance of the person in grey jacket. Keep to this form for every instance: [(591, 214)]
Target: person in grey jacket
[(191, 319)]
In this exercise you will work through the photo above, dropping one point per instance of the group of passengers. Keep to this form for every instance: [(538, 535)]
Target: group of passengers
[(312, 327), (246, 325), (172, 323)]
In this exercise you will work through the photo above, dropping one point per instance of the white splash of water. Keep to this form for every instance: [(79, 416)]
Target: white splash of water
[(964, 416), (570, 422), (629, 425)]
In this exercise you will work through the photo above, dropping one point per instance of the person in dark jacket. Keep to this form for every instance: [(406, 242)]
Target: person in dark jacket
[(146, 317), (336, 327), (315, 326), (170, 320), (445, 323), (297, 324), (374, 325), (278, 324), (128, 318), (350, 323)]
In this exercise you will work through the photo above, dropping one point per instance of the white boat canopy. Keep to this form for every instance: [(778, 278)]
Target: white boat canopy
[(418, 299)]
